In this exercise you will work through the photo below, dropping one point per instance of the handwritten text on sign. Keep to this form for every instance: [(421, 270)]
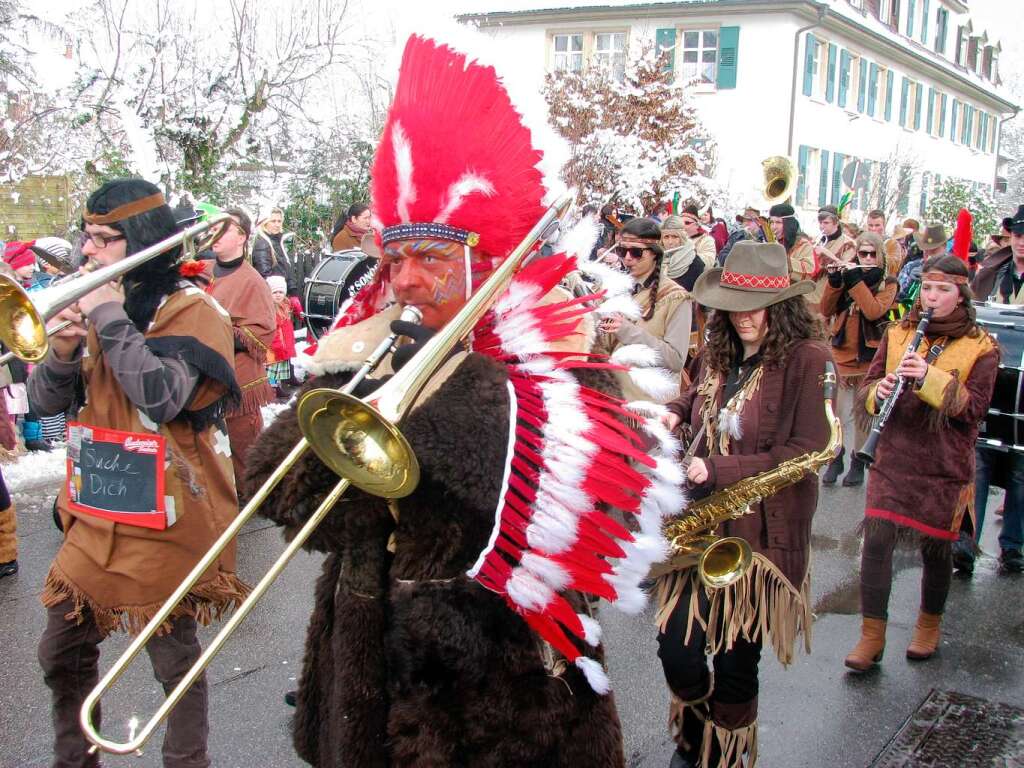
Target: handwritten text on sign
[(117, 475)]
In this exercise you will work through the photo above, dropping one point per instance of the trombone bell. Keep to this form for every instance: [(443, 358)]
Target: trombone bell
[(22, 329), (359, 444)]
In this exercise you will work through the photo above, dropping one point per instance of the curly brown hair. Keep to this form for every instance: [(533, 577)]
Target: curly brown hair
[(789, 322)]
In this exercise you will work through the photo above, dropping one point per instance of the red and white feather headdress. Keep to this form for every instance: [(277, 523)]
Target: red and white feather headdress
[(457, 162)]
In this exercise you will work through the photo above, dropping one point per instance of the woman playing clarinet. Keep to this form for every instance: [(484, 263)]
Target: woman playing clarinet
[(921, 481)]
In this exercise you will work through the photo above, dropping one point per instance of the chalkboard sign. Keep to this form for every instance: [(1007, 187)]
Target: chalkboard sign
[(117, 475)]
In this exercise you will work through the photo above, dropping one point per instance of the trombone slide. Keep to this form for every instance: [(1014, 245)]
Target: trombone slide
[(139, 738)]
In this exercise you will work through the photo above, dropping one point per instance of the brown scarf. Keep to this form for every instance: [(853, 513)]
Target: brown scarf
[(954, 325)]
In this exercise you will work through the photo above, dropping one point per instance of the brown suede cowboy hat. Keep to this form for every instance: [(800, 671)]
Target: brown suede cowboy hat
[(755, 276), (933, 236)]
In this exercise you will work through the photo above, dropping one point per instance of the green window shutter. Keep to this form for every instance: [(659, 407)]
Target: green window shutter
[(823, 181), (924, 23), (903, 102), (942, 117), (968, 123), (844, 76), (728, 56), (830, 87), (837, 177), (888, 95), (801, 179), (931, 110), (910, 17), (924, 193), (665, 42), (862, 84), (872, 88), (952, 121), (809, 44), (942, 24), (918, 91)]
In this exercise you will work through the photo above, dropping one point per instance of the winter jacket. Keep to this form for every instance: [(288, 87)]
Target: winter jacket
[(271, 257)]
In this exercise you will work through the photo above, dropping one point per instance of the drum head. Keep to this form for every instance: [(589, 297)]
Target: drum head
[(334, 279)]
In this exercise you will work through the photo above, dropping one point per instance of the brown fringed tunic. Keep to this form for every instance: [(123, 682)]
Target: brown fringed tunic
[(929, 438), (246, 297), (123, 573), (783, 417)]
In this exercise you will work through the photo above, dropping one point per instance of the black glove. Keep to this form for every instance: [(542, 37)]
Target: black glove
[(852, 276), (835, 278), (419, 336)]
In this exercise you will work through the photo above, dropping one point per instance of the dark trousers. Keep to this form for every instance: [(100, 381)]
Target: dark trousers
[(733, 702), (243, 429), (876, 571), (69, 655)]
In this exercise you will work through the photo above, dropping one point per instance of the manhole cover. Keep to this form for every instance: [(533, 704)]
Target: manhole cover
[(958, 731)]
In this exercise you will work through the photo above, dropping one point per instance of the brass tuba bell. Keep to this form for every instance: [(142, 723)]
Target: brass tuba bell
[(779, 179)]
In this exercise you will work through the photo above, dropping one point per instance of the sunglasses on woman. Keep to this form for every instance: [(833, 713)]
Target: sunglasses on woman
[(633, 253), (867, 253)]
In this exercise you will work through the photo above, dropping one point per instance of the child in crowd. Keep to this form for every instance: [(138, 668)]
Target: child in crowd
[(279, 367)]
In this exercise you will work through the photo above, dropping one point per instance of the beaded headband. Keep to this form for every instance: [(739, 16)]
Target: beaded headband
[(432, 230), (936, 276)]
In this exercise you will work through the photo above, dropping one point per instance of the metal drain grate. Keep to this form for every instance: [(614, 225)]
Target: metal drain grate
[(951, 730)]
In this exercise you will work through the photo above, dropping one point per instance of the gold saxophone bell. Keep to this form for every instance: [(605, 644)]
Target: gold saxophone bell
[(357, 439), (723, 560)]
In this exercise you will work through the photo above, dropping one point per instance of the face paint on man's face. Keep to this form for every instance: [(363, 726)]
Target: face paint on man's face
[(429, 275), (449, 287)]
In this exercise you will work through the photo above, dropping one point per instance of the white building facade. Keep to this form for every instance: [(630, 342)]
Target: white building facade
[(906, 87)]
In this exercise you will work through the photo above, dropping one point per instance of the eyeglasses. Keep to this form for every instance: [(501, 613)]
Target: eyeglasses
[(689, 222), (632, 253), (101, 241), (866, 253)]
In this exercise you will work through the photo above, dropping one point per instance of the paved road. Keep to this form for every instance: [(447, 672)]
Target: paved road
[(812, 715)]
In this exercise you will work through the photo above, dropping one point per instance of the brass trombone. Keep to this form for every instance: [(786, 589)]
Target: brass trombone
[(23, 316), (358, 440)]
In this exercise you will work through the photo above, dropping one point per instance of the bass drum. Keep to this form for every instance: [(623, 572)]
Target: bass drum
[(335, 279), (1003, 426)]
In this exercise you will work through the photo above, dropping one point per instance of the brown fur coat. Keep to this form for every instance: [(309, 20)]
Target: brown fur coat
[(408, 662)]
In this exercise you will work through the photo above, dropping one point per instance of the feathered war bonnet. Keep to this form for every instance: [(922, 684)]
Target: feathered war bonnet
[(455, 162)]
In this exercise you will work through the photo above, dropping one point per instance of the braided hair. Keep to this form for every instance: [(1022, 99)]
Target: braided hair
[(648, 231)]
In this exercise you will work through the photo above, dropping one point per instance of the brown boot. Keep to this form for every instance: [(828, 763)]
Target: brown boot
[(925, 641), (869, 649)]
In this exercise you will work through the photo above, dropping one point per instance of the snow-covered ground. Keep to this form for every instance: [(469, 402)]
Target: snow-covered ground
[(38, 468)]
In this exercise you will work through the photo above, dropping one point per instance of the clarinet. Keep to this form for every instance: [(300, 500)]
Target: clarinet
[(867, 451)]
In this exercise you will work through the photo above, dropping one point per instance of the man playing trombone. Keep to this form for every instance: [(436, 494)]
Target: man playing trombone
[(153, 355), (447, 629)]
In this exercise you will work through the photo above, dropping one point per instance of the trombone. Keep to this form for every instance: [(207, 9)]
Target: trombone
[(23, 316), (359, 441)]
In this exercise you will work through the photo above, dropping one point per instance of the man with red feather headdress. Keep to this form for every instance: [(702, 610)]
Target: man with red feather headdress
[(450, 626)]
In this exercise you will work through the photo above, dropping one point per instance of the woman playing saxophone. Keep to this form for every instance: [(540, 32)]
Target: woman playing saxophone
[(757, 402)]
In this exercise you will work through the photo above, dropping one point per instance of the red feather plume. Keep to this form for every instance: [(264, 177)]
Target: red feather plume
[(962, 235)]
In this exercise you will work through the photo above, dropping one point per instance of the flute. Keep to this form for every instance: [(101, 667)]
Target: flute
[(867, 451)]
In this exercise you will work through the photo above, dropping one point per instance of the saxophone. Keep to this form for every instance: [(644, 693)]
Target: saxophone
[(723, 560)]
